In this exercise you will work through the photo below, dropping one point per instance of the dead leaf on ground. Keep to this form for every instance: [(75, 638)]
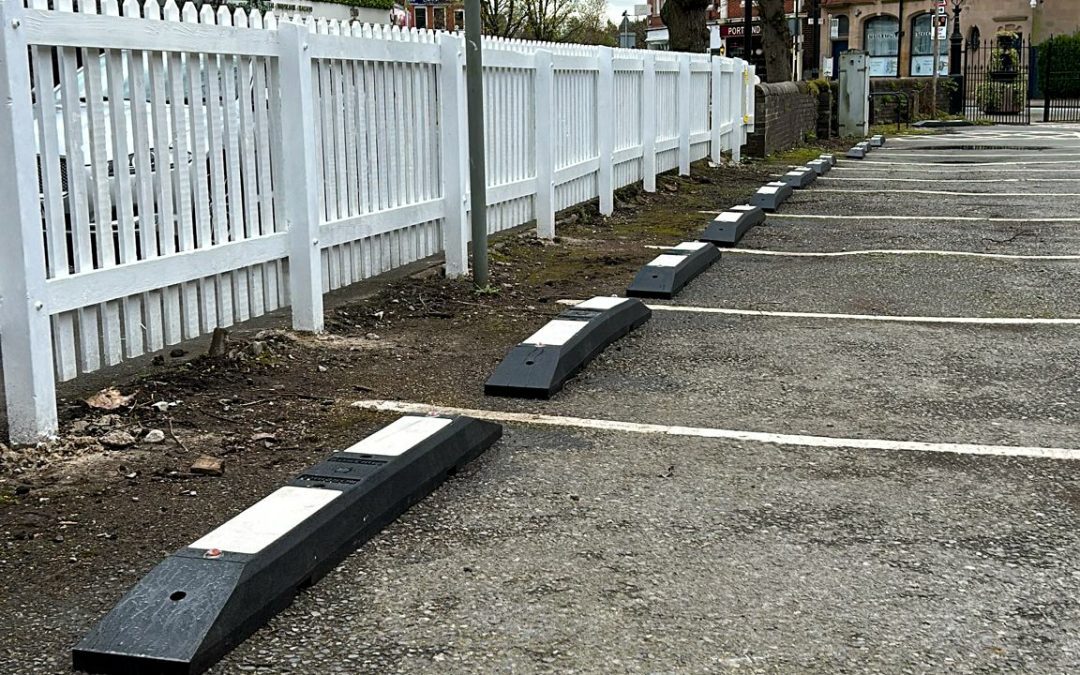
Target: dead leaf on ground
[(109, 399)]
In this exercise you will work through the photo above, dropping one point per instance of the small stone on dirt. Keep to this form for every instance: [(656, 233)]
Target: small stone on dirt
[(208, 466), (372, 336), (177, 353), (109, 399), (154, 436), (322, 368), (263, 436), (117, 439), (257, 348), (163, 406)]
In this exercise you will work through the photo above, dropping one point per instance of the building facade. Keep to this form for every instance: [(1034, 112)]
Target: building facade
[(336, 11), (437, 15), (727, 30), (899, 35)]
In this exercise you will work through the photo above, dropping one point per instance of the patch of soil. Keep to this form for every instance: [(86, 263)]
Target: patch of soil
[(77, 512)]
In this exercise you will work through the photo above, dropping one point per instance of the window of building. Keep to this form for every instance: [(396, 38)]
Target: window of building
[(459, 19), (922, 48), (974, 38), (440, 18), (839, 27), (421, 16), (880, 40)]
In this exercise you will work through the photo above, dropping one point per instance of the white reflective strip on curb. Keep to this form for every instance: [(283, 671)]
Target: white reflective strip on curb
[(666, 261), (602, 302), (394, 439), (556, 332), (986, 321), (900, 251), (267, 520), (685, 246), (802, 440)]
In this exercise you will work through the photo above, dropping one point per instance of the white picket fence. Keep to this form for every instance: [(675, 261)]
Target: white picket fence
[(167, 172)]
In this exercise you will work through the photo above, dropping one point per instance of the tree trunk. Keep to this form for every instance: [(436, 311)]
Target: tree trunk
[(775, 40), (685, 21)]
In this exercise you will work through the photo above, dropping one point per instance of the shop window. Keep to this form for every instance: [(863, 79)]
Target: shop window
[(421, 16), (440, 17), (459, 19), (922, 48), (880, 40)]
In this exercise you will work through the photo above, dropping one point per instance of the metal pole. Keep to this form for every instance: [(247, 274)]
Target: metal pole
[(474, 90), (1046, 89), (748, 27), (899, 38), (956, 54), (956, 43), (815, 65), (937, 58)]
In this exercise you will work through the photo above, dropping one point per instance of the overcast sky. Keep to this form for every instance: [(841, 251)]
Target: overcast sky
[(615, 8)]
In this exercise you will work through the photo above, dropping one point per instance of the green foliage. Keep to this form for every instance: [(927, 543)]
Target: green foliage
[(1002, 97), (1060, 54), (817, 86), (1005, 89)]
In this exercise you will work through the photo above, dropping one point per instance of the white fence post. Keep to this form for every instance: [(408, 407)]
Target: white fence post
[(684, 114), (25, 332), (648, 122), (716, 111), (738, 94), (300, 182), (544, 82), (751, 90), (605, 132), (455, 238)]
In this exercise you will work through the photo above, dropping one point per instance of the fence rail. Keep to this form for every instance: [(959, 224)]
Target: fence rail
[(166, 171)]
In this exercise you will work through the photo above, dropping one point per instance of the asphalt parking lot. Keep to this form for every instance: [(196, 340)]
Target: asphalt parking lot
[(594, 545)]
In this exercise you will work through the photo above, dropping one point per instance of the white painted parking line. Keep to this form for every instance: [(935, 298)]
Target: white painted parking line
[(975, 320), (963, 164), (991, 152), (968, 219), (950, 194), (900, 251), (800, 440), (887, 251), (926, 180), (958, 168)]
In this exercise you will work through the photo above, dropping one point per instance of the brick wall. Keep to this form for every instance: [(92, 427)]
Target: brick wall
[(785, 114)]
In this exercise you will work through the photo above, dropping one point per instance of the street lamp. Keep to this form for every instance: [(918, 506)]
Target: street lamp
[(956, 40), (956, 51)]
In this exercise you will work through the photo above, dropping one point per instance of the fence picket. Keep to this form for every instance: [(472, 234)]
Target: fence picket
[(177, 153)]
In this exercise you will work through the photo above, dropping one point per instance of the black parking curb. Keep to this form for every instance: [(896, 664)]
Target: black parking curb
[(669, 272), (771, 195), (208, 597), (799, 178), (730, 226), (541, 364)]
